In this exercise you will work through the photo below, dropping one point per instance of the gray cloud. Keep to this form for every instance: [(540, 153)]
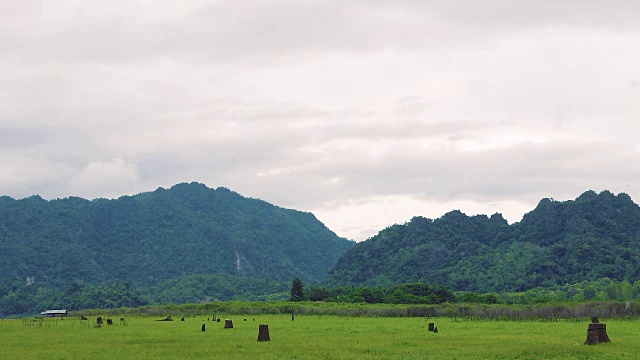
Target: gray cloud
[(619, 14), (16, 138), (72, 32)]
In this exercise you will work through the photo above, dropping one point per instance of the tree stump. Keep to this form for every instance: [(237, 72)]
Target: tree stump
[(228, 324), (263, 333), (217, 320), (99, 320), (203, 327), (596, 334), (431, 326), (109, 322)]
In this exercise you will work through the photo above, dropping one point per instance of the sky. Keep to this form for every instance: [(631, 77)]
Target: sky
[(365, 113)]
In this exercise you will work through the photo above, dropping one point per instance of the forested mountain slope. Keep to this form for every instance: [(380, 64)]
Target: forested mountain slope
[(161, 235), (591, 237)]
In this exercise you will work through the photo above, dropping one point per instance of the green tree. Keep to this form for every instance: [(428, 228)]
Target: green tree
[(490, 298), (636, 289), (626, 290), (613, 291), (589, 292), (297, 290), (318, 293)]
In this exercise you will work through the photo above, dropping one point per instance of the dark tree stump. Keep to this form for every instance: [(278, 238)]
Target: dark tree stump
[(99, 320), (431, 326), (217, 320), (83, 317), (109, 322), (228, 324), (181, 319), (435, 330), (596, 334), (263, 333), (203, 327)]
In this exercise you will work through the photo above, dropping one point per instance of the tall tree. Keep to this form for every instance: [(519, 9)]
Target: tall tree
[(297, 290)]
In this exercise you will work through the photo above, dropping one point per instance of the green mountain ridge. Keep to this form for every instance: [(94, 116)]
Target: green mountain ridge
[(156, 236), (594, 236)]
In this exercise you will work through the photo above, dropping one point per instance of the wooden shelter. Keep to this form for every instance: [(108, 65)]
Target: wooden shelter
[(55, 313)]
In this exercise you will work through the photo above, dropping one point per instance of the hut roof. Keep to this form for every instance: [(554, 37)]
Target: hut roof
[(47, 312)]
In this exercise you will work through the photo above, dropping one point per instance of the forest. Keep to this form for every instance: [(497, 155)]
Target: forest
[(593, 237), (192, 244), (158, 239)]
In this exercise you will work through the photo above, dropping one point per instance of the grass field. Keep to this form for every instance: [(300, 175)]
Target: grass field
[(312, 337)]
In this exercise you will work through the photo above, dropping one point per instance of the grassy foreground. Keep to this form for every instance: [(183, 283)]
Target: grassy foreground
[(312, 337)]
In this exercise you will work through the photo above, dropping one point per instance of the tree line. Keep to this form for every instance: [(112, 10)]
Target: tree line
[(604, 289), (23, 299)]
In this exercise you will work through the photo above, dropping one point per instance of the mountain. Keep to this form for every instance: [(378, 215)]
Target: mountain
[(153, 237), (591, 237)]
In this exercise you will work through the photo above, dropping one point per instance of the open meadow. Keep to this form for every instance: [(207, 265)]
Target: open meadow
[(312, 337)]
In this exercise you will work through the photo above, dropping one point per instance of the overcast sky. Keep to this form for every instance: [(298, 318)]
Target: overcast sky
[(366, 113)]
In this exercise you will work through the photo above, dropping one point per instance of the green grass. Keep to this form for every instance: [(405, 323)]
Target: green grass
[(313, 337)]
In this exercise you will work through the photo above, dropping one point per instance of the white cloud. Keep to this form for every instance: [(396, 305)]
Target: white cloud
[(387, 210), (22, 174), (108, 179)]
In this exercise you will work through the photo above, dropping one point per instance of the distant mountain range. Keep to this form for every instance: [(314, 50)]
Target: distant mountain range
[(191, 243), (591, 237)]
